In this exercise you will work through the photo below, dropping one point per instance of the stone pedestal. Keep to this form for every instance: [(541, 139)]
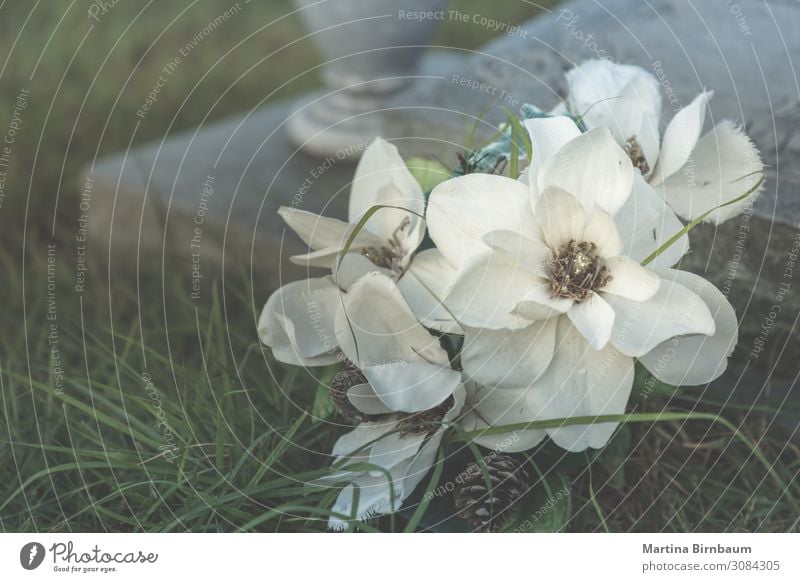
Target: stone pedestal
[(369, 52)]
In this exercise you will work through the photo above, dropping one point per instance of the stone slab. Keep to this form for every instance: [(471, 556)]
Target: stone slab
[(228, 179)]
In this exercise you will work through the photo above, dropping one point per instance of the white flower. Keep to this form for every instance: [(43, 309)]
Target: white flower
[(546, 293), (297, 320), (388, 239), (583, 381), (409, 380), (398, 446), (405, 365), (693, 174)]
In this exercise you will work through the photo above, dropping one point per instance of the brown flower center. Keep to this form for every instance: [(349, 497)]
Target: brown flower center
[(425, 422), (390, 255), (635, 153), (576, 271)]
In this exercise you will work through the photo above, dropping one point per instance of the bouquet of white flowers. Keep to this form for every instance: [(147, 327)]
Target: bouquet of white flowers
[(506, 310)]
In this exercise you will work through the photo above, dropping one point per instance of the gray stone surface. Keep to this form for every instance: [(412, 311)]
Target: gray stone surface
[(253, 170), (369, 53), (744, 53), (147, 201)]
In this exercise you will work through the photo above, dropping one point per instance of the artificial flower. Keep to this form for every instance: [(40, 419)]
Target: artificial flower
[(693, 174), (546, 294), (389, 237), (410, 391), (583, 381), (406, 367), (400, 449), (297, 320)]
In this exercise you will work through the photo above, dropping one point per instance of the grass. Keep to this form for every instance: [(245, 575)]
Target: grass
[(171, 416)]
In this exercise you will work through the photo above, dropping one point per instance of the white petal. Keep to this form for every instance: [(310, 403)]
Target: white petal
[(412, 386), (581, 381), (322, 258), (559, 108), (376, 326), (530, 253), (374, 498), (602, 231), (320, 232), (594, 85), (509, 358), (422, 463), (624, 98), (391, 221), (638, 112), (539, 303), (560, 217), (645, 223), (395, 448), (382, 177), (680, 137), (674, 310), (425, 285), (352, 267), (497, 407), (487, 291), (357, 443), (630, 280), (692, 360), (363, 397), (426, 457), (548, 135), (722, 167), (594, 319), (462, 210), (593, 168), (297, 322)]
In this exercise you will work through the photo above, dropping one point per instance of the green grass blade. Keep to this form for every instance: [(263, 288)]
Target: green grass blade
[(419, 513)]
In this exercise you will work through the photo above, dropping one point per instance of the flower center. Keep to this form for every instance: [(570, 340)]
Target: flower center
[(424, 422), (635, 153), (390, 255), (576, 271)]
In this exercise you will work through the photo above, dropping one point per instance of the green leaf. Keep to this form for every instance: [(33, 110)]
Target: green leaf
[(499, 134), (599, 510), (428, 173), (322, 407), (520, 140), (419, 513)]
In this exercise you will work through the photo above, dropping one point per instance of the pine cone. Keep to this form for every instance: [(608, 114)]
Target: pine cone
[(345, 379), (487, 510)]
